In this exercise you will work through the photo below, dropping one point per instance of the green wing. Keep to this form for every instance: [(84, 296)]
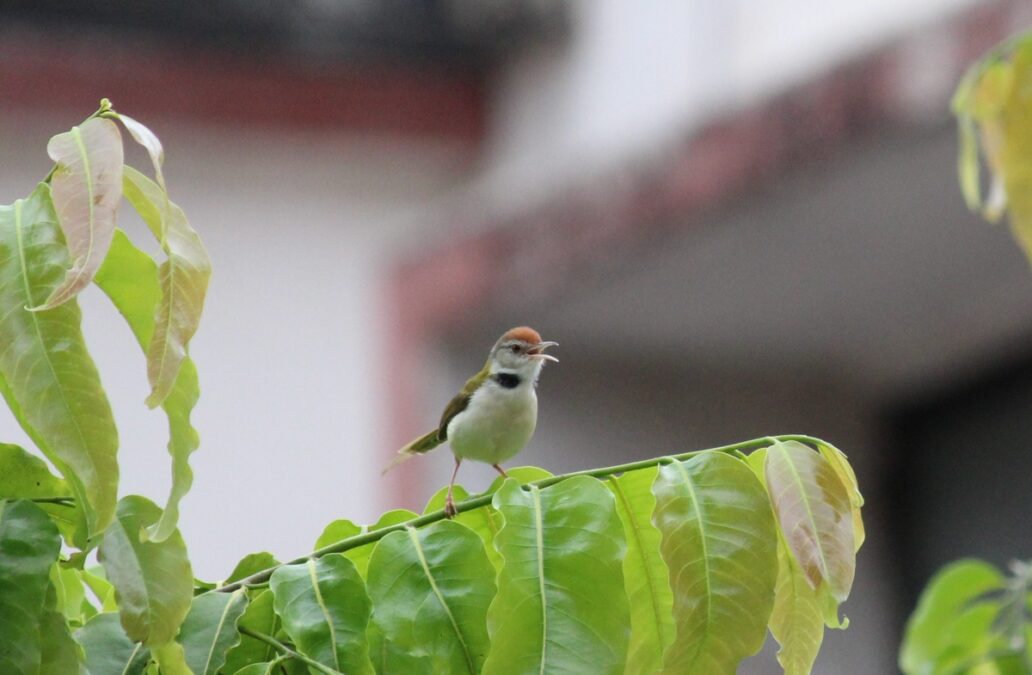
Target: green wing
[(461, 401)]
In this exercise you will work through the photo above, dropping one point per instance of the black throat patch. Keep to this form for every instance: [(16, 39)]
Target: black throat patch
[(507, 380)]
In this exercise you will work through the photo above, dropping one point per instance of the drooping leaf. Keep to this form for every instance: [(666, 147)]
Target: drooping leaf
[(430, 590), (29, 544), (815, 515), (844, 471), (210, 630), (324, 609), (46, 373), (796, 622), (646, 576), (259, 617), (25, 476), (129, 278), (184, 281), (951, 625), (109, 651), (389, 659), (87, 189), (360, 556), (485, 521), (150, 142), (60, 653), (720, 546), (171, 659), (69, 593), (252, 564), (153, 581), (559, 608), (97, 582)]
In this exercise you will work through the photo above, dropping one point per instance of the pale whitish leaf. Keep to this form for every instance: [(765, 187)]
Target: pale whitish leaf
[(183, 277), (815, 515), (430, 590), (559, 606), (46, 374), (324, 609), (646, 576), (129, 277), (720, 545), (150, 142), (87, 188), (109, 651), (210, 630), (153, 582), (29, 544)]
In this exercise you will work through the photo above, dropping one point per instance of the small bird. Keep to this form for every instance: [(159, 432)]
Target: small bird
[(494, 415)]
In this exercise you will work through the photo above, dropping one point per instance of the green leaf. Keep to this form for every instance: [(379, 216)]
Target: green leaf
[(46, 373), (950, 624), (815, 515), (69, 593), (336, 531), (796, 622), (844, 471), (129, 277), (153, 582), (29, 545), (171, 659), (87, 189), (97, 582), (109, 651), (430, 590), (360, 555), (520, 474), (60, 653), (261, 618), (646, 576), (389, 659), (559, 608), (25, 476), (263, 668), (184, 280), (720, 545), (325, 610), (485, 521), (210, 630), (252, 564)]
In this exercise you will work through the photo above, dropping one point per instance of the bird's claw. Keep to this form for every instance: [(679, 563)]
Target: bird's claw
[(449, 508)]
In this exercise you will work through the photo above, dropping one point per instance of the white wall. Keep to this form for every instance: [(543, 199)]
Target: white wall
[(292, 410)]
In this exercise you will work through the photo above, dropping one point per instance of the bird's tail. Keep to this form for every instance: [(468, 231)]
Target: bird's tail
[(421, 445)]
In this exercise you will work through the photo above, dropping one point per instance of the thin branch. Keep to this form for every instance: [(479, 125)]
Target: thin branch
[(62, 501), (349, 543), (287, 651)]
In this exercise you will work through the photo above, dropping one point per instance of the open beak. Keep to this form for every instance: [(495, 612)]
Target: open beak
[(539, 351)]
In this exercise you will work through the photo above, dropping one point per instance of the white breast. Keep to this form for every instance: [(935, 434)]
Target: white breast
[(496, 425)]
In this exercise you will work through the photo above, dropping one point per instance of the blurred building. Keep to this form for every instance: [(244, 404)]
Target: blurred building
[(738, 219)]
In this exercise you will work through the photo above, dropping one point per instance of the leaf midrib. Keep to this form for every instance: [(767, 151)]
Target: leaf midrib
[(416, 544), (705, 561), (326, 612), (809, 512), (218, 630), (540, 549)]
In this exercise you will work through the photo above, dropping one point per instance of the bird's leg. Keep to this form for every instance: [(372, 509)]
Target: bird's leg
[(500, 470), (449, 501)]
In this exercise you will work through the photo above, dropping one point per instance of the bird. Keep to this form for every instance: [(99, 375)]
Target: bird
[(494, 415)]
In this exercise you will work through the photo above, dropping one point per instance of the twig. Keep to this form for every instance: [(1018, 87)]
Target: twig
[(287, 651)]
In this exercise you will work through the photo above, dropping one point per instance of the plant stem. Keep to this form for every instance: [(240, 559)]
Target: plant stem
[(287, 651), (349, 543), (63, 501)]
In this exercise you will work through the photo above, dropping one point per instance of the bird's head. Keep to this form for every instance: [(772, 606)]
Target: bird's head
[(521, 349)]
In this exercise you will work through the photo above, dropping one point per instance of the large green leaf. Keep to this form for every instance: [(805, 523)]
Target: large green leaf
[(25, 476), (69, 593), (46, 373), (390, 659), (815, 515), (261, 618), (210, 630), (29, 544), (171, 659), (485, 521), (109, 651), (184, 280), (153, 581), (647, 578), (560, 606), (129, 277), (360, 556), (60, 653), (87, 189), (951, 625), (430, 590), (720, 545), (325, 610), (252, 563)]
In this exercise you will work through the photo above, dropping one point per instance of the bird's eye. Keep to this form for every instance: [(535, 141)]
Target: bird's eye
[(515, 349)]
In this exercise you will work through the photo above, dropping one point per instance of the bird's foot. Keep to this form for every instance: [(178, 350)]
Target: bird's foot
[(449, 507), (500, 470)]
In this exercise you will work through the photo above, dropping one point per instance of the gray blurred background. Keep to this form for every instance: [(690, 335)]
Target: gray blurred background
[(737, 217)]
